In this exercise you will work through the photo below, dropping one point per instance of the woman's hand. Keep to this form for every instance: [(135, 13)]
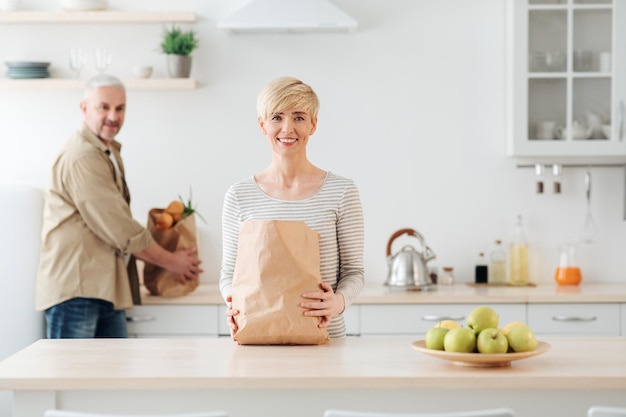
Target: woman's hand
[(327, 304), (230, 316)]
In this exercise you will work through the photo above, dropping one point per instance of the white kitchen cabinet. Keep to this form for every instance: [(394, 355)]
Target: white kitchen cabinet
[(566, 67), (95, 17), (222, 326), (181, 320), (575, 319), (352, 317), (546, 319), (416, 319), (20, 324)]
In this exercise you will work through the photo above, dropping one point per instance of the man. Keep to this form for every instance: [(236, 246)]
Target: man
[(83, 283)]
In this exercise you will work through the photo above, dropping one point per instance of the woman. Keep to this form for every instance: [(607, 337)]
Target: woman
[(292, 188)]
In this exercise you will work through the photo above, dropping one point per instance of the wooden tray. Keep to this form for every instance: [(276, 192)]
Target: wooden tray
[(481, 360)]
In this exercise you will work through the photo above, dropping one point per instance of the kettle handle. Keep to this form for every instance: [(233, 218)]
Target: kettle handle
[(410, 232)]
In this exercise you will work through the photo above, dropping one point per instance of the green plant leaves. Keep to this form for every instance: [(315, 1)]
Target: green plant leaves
[(189, 208), (179, 42)]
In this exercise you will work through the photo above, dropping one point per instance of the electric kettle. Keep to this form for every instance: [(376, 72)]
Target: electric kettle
[(407, 267)]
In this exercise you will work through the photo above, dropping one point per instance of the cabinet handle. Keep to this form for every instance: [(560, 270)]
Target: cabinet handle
[(429, 317), (573, 318), (138, 319), (621, 120)]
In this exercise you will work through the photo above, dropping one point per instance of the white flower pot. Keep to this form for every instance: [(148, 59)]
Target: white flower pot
[(178, 66)]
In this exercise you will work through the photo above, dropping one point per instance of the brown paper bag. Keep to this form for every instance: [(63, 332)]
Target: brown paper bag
[(181, 236), (277, 262)]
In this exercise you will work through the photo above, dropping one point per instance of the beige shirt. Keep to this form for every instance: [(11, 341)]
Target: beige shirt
[(87, 227)]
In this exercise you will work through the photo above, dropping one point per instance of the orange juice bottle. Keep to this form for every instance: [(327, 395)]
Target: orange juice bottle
[(568, 275), (568, 272)]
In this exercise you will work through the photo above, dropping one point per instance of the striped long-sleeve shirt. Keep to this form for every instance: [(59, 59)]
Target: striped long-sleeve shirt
[(334, 212)]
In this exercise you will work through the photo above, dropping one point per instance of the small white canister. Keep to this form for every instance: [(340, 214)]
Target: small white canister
[(605, 62)]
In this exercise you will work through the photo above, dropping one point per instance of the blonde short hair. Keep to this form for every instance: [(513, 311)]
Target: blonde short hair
[(287, 93)]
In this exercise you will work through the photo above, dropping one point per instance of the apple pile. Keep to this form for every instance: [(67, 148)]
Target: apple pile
[(482, 335)]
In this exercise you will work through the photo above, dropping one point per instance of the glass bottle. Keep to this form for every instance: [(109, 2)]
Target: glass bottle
[(447, 276), (518, 255), (568, 271), (481, 270), (433, 273), (497, 264)]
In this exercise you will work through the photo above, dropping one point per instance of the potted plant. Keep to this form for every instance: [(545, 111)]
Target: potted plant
[(178, 45)]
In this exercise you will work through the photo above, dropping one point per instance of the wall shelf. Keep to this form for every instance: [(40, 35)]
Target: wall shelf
[(95, 16), (103, 16), (70, 84)]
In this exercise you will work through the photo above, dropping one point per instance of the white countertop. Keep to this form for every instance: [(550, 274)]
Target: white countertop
[(441, 294), (464, 293)]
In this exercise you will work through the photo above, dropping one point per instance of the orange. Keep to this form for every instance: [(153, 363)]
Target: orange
[(164, 221), (175, 209)]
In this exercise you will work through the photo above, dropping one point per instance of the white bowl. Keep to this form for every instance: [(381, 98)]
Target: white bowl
[(142, 71), (606, 129), (576, 132)]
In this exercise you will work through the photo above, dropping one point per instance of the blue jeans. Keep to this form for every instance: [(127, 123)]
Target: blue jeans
[(85, 318)]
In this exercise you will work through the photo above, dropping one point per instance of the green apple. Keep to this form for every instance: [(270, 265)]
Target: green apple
[(482, 318), (521, 338), (461, 339), (448, 324), (434, 338), (491, 341)]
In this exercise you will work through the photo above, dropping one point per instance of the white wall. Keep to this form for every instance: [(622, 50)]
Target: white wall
[(412, 109)]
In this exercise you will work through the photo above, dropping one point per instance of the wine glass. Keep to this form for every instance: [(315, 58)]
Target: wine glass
[(77, 60), (103, 59)]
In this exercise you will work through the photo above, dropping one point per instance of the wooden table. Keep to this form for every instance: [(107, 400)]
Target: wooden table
[(376, 373)]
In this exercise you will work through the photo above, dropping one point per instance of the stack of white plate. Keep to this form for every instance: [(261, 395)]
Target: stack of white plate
[(26, 69), (72, 5)]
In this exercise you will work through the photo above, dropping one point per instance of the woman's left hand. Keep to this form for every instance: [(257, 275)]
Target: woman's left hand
[(327, 304)]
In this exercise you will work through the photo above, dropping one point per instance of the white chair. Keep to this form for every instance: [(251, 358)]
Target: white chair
[(600, 411), (495, 412), (64, 413)]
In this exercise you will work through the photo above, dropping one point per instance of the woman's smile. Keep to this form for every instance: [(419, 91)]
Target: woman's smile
[(287, 141)]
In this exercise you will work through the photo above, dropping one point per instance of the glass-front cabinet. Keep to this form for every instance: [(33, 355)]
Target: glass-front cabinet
[(567, 80)]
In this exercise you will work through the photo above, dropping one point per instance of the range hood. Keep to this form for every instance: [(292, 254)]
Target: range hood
[(288, 16)]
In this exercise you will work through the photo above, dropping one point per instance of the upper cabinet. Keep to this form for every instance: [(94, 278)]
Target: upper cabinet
[(567, 80)]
